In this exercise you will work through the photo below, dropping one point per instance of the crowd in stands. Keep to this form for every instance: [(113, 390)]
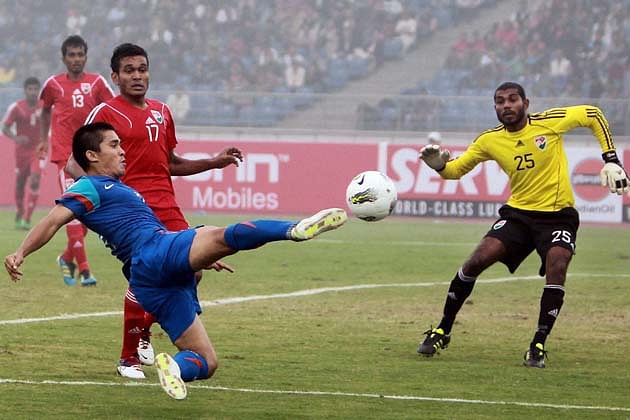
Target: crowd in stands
[(568, 49), (232, 46)]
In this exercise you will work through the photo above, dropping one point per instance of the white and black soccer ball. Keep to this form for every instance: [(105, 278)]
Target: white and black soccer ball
[(371, 196)]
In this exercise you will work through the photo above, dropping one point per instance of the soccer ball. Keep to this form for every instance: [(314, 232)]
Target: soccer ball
[(371, 196)]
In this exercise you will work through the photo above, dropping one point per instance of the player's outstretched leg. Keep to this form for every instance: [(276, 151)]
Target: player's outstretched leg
[(170, 376), (319, 223)]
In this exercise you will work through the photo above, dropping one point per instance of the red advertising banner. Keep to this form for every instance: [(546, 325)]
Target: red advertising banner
[(275, 177), (280, 177)]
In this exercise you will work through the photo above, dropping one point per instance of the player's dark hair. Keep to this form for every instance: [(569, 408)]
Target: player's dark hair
[(126, 50), (73, 41), (30, 81), (88, 137), (511, 85)]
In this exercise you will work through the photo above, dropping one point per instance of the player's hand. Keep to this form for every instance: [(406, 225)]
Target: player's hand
[(434, 156), (12, 264), (220, 266), (229, 156), (615, 178), (42, 150)]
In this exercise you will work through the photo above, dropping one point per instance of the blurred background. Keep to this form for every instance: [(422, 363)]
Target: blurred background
[(325, 65), (316, 91)]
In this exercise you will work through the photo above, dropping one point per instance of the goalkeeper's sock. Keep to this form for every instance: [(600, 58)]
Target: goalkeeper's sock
[(461, 287), (550, 304), (250, 235)]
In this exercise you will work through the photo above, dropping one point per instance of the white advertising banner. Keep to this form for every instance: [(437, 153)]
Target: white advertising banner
[(594, 202)]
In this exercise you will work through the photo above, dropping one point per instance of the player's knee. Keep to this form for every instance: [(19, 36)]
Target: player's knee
[(474, 266), (212, 364), (557, 264), (35, 182)]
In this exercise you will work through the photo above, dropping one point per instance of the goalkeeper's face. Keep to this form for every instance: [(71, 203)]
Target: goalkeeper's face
[(511, 109)]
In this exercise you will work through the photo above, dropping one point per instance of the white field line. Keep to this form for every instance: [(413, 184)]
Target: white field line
[(298, 293), (403, 243), (325, 393)]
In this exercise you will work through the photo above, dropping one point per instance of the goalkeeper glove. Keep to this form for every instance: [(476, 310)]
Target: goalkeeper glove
[(613, 175), (434, 156)]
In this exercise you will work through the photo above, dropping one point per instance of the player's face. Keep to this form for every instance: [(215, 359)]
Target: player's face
[(511, 109), (132, 77), (111, 156), (75, 59), (31, 92)]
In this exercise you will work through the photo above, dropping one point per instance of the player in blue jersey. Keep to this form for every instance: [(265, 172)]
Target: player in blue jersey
[(161, 263)]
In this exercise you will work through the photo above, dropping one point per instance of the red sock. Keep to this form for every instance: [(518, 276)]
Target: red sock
[(31, 201), (148, 321), (68, 253), (76, 233), (133, 322)]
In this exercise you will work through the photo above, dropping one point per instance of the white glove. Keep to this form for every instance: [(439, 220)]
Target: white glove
[(434, 156), (615, 178)]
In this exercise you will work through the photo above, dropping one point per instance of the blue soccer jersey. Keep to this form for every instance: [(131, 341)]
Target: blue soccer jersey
[(123, 220)]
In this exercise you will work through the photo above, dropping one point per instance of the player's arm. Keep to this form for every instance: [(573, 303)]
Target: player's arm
[(179, 166), (6, 130), (7, 124), (439, 159), (45, 129), (37, 238), (73, 168), (612, 174)]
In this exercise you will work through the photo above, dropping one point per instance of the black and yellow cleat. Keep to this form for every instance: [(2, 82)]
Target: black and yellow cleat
[(434, 341), (535, 356)]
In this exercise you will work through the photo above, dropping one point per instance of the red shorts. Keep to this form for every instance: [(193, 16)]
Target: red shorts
[(27, 162), (172, 218)]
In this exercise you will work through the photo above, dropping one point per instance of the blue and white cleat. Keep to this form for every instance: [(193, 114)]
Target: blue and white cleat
[(88, 280), (170, 376), (67, 271), (318, 223)]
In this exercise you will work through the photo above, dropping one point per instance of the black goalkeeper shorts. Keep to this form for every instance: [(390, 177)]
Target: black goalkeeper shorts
[(523, 231)]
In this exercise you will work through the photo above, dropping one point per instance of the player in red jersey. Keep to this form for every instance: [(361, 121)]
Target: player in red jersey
[(147, 134), (25, 115), (68, 98)]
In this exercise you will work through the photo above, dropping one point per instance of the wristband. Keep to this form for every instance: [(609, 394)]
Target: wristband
[(611, 157)]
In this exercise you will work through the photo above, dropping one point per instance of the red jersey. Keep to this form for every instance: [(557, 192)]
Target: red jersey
[(147, 137), (71, 101), (27, 122)]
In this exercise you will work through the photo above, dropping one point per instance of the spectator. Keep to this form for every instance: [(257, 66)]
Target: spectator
[(179, 102), (295, 74)]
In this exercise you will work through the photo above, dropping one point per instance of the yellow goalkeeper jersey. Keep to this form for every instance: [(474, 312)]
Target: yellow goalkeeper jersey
[(534, 158)]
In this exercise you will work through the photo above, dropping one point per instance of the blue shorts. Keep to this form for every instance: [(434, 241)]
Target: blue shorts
[(163, 281)]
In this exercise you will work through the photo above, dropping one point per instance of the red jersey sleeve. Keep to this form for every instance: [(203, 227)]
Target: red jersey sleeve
[(48, 93), (171, 138), (11, 115), (103, 91)]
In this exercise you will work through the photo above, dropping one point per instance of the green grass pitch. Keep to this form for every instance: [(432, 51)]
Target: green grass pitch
[(347, 348)]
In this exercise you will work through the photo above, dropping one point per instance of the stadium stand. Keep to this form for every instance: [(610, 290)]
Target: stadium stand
[(234, 49), (560, 50)]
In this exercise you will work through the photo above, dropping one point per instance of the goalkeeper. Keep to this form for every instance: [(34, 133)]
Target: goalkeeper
[(539, 215)]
